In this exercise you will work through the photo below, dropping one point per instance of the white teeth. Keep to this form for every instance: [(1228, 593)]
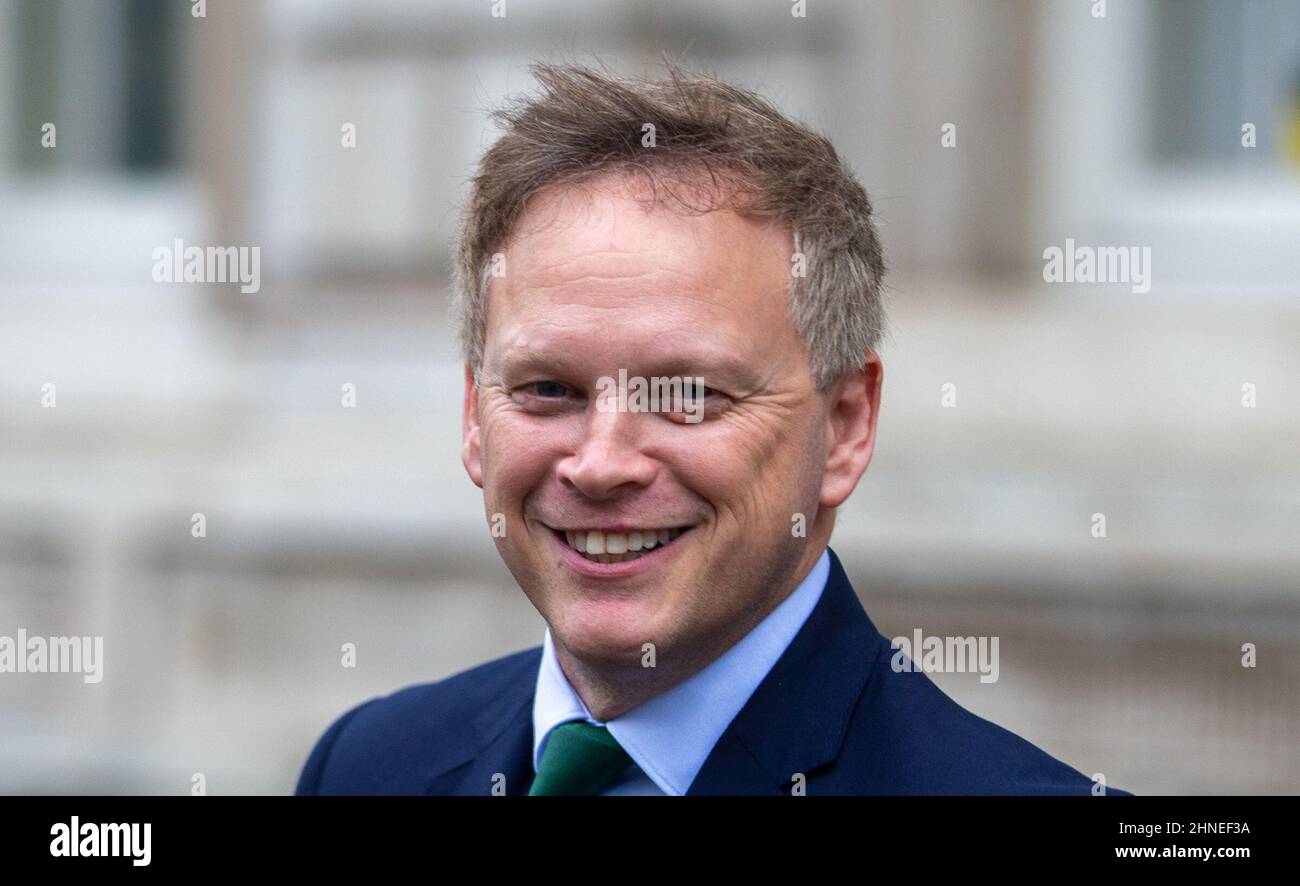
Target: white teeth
[(616, 547)]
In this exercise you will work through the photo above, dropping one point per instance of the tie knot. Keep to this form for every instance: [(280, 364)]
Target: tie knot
[(580, 759)]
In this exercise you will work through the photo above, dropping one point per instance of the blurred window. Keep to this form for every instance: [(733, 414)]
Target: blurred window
[(1219, 65), (114, 101)]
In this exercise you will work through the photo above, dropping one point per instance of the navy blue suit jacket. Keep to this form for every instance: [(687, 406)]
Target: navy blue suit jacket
[(831, 708)]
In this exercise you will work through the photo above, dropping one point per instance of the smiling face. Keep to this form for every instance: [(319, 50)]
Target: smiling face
[(598, 282)]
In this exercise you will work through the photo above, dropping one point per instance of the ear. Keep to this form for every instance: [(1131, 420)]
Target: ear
[(852, 404), (470, 452)]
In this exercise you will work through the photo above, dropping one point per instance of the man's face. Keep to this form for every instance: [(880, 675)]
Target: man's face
[(596, 282)]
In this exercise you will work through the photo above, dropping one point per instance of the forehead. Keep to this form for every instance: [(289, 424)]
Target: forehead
[(604, 269)]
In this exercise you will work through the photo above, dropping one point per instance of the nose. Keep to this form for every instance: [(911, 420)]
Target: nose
[(608, 457)]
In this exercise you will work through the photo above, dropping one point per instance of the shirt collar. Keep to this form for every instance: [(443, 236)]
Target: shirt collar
[(671, 735)]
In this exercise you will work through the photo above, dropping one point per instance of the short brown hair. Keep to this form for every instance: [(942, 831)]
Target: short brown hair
[(585, 123)]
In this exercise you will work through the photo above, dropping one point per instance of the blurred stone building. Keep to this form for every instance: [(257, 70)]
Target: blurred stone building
[(328, 525)]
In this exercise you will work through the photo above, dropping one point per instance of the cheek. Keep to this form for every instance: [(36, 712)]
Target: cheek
[(709, 462), (515, 461), (764, 477), (738, 472)]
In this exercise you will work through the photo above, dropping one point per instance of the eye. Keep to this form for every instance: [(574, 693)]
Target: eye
[(696, 393), (548, 389), (699, 403), (544, 396)]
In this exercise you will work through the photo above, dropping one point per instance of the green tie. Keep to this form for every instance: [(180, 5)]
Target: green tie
[(581, 759)]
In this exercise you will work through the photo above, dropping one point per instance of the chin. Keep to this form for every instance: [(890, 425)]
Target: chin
[(617, 641)]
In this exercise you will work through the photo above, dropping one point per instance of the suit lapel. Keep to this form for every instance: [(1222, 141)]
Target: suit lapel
[(794, 722), (797, 718), (503, 733)]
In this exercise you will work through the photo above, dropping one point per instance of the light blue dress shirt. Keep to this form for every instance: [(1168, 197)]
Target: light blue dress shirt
[(670, 736)]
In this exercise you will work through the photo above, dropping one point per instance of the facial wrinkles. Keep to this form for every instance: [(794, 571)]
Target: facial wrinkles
[(754, 426), (581, 303), (611, 331)]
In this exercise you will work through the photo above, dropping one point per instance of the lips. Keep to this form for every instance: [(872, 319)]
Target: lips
[(604, 546)]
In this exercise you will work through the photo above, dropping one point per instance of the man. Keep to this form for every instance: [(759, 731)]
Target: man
[(684, 238)]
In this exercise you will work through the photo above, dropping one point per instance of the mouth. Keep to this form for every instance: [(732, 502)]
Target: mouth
[(603, 546)]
